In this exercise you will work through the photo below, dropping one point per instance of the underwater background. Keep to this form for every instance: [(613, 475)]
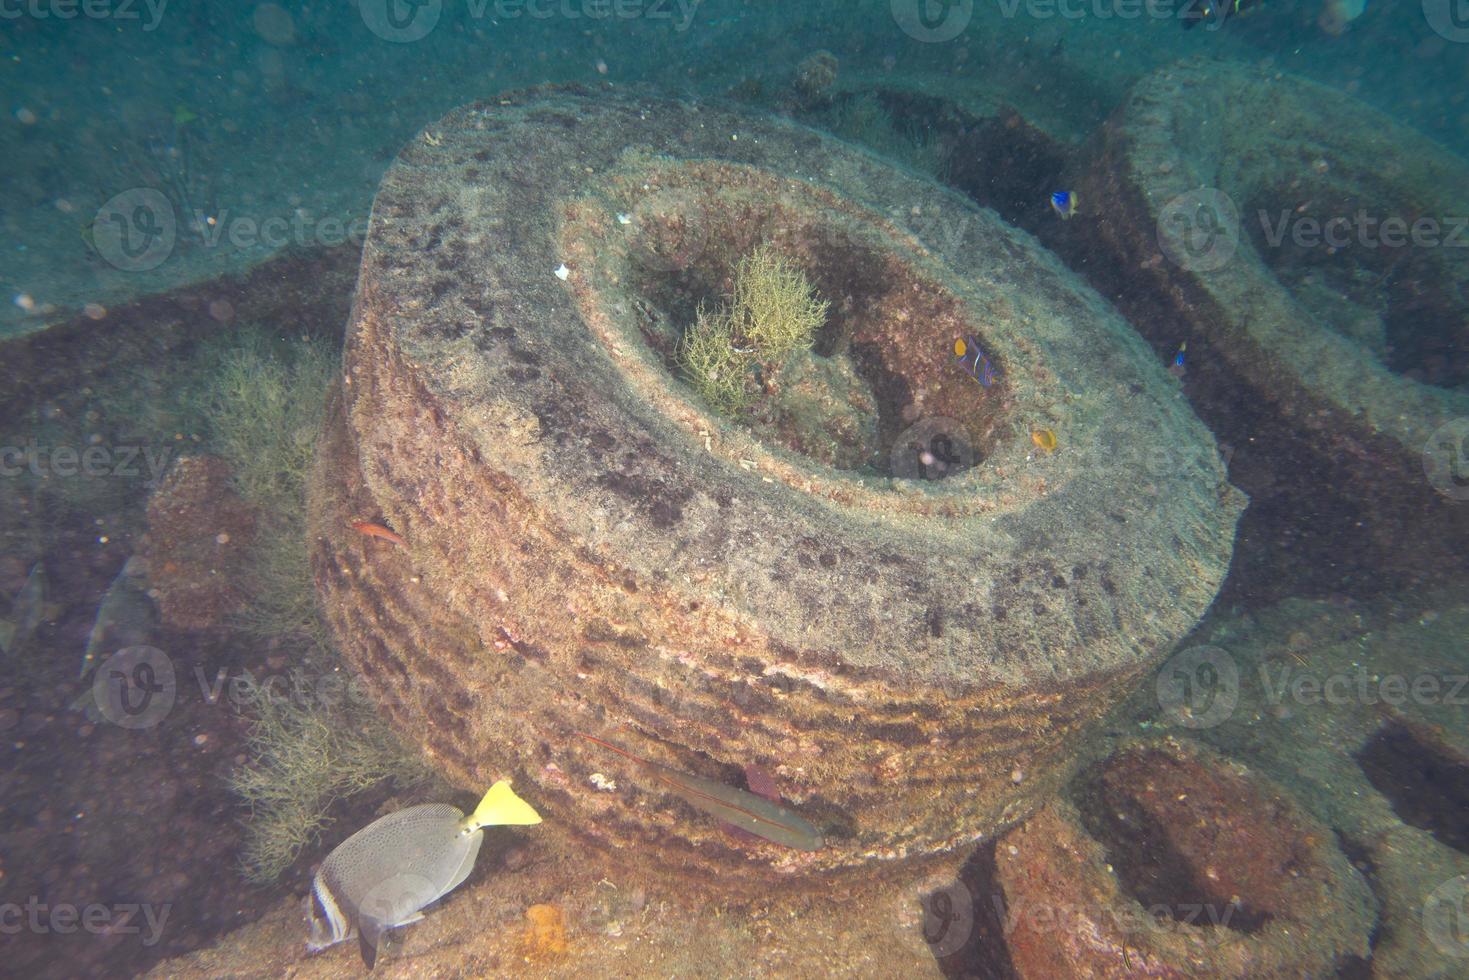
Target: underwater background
[(967, 488)]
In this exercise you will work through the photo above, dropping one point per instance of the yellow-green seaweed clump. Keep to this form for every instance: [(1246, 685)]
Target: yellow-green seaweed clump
[(775, 306), (307, 751), (717, 368), (262, 404), (772, 313)]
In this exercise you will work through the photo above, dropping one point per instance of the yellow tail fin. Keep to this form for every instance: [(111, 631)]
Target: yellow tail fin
[(501, 807)]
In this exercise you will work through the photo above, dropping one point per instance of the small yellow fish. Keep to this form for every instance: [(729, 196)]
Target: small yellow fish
[(1044, 439)]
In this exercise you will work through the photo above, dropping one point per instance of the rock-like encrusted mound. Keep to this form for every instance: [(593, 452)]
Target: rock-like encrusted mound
[(196, 548), (909, 638), (1314, 256), (1180, 864)]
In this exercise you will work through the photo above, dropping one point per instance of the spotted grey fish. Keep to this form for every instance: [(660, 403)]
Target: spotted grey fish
[(382, 876)]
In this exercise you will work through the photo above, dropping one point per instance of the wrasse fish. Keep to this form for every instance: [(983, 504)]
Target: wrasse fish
[(1064, 203), (378, 531), (973, 361), (735, 807)]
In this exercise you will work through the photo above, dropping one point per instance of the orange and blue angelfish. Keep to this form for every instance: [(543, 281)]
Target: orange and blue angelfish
[(970, 357)]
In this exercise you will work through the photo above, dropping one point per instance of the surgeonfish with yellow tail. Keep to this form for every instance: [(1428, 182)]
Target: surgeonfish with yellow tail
[(735, 807), (382, 876)]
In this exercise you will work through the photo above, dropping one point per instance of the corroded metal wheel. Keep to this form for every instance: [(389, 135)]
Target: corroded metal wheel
[(1311, 252), (884, 592)]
